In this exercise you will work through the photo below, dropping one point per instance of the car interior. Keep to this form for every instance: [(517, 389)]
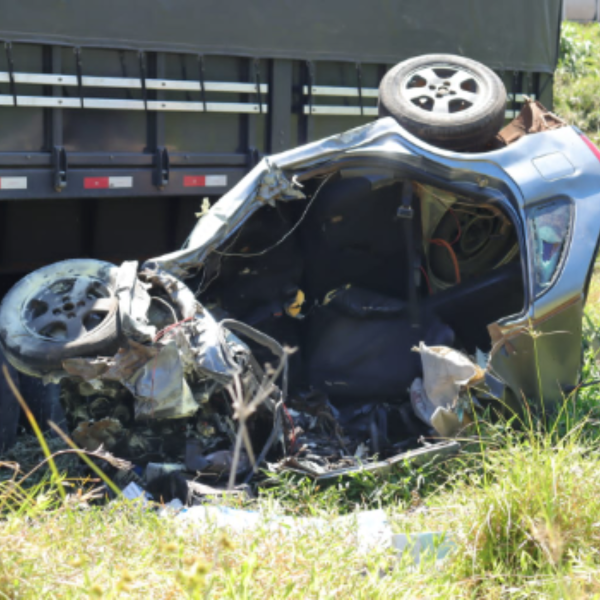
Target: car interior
[(353, 278)]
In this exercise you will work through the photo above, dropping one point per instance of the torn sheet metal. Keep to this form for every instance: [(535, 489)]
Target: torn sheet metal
[(156, 375), (265, 183), (436, 399), (134, 303), (421, 456), (160, 388), (153, 374)]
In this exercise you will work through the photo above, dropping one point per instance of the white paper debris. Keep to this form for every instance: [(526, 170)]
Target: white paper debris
[(445, 371), (368, 529), (133, 491), (420, 545)]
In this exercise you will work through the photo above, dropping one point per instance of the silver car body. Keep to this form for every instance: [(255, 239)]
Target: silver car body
[(536, 352)]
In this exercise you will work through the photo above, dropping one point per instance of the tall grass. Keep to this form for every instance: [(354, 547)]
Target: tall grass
[(577, 87), (522, 504)]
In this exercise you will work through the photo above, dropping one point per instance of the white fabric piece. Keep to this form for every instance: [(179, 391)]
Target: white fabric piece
[(133, 491), (445, 371)]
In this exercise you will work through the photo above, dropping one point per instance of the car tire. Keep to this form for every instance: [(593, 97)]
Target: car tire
[(446, 100), (65, 310)]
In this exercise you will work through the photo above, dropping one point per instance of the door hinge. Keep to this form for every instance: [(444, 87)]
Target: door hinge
[(60, 168), (161, 168)]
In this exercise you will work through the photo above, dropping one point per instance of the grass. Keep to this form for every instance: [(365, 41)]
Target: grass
[(524, 514), (576, 89), (523, 506)]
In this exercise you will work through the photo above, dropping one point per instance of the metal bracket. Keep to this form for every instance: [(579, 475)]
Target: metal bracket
[(257, 79), (201, 78), (11, 71), (405, 210), (60, 168), (359, 86), (143, 79), (184, 76), (79, 74), (310, 76), (515, 85), (124, 72), (253, 157), (162, 168)]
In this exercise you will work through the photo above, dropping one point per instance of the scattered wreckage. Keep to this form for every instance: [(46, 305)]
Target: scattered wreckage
[(322, 313)]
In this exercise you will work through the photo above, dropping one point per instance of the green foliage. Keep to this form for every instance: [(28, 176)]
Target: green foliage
[(366, 490), (576, 86), (575, 53)]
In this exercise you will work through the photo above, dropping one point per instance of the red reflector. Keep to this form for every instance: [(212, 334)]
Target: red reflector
[(194, 181), (591, 146), (95, 183)]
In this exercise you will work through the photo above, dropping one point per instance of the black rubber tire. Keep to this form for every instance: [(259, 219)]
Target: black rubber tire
[(36, 355), (469, 129)]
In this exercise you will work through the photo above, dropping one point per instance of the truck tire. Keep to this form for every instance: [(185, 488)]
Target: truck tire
[(446, 100), (61, 311)]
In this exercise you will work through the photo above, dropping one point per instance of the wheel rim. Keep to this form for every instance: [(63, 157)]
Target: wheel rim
[(443, 89), (68, 308)]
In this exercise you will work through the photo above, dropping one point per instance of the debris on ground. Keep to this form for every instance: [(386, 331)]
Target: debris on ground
[(27, 454), (320, 319)]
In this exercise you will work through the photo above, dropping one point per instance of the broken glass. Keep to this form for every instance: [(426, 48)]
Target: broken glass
[(549, 226)]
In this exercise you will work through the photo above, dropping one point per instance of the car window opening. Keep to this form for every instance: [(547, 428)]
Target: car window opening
[(336, 290)]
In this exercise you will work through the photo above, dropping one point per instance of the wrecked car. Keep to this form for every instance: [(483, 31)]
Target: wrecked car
[(322, 310)]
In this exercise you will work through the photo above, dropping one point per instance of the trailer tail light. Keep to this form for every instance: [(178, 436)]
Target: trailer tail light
[(105, 183), (591, 146), (204, 180)]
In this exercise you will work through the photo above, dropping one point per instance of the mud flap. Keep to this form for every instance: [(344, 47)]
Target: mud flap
[(9, 407)]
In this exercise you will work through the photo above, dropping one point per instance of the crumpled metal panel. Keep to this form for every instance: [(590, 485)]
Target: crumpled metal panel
[(160, 389), (261, 186)]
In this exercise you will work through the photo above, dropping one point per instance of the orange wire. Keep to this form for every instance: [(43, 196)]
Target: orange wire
[(169, 327), (292, 428), (448, 247), (459, 232), (427, 280)]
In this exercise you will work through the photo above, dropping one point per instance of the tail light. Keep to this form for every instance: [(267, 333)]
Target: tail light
[(591, 146)]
